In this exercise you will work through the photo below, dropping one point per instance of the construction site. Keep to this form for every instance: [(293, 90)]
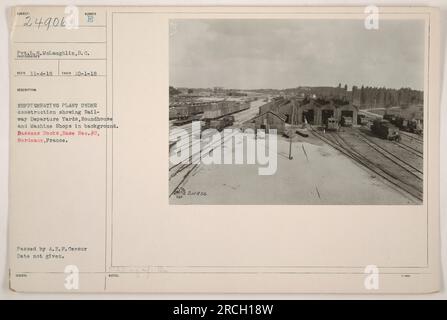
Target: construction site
[(333, 147)]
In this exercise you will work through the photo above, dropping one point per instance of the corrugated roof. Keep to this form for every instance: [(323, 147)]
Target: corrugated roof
[(277, 114)]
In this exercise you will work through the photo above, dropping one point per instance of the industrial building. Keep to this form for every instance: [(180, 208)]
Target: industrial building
[(318, 112), (270, 120), (312, 111)]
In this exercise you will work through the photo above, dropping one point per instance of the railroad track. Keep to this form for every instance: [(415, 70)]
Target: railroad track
[(411, 137), (387, 154), (410, 149), (175, 139), (190, 147), (187, 143), (340, 144), (187, 128), (188, 168), (191, 169)]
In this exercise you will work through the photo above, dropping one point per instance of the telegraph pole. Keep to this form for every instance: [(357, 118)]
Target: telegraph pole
[(290, 147)]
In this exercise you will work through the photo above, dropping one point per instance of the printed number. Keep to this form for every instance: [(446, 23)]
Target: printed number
[(220, 307)]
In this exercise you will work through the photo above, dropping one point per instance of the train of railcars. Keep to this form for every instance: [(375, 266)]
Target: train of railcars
[(184, 110), (220, 109), (185, 120), (410, 125)]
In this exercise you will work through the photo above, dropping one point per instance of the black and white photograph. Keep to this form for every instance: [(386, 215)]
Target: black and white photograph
[(296, 111)]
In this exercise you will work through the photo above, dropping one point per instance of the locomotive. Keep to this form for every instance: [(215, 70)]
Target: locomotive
[(385, 130), (332, 124)]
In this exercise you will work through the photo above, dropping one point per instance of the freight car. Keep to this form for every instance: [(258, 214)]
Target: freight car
[(182, 110), (178, 112), (185, 120), (222, 108), (219, 124), (413, 125), (385, 130)]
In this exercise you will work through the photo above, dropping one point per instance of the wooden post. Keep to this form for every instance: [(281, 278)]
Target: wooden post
[(290, 148)]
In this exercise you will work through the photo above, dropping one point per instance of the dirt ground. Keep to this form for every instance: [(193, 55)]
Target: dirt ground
[(317, 174)]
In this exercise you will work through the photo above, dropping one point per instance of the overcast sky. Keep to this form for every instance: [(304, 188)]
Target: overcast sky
[(250, 54)]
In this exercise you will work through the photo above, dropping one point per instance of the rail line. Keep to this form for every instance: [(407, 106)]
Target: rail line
[(187, 174), (410, 149), (411, 137), (340, 144), (186, 127), (401, 182), (186, 164), (188, 143), (401, 163), (198, 141)]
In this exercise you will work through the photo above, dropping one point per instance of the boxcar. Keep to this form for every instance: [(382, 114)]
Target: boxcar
[(223, 108), (415, 126), (185, 120)]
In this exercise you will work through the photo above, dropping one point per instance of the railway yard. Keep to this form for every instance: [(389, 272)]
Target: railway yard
[(350, 165), (399, 164)]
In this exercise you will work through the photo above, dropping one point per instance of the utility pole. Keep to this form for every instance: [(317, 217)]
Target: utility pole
[(290, 147)]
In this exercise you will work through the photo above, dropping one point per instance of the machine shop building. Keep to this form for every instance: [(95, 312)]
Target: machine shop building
[(318, 113), (312, 111), (270, 120)]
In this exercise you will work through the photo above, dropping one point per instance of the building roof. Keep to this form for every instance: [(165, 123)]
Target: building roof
[(276, 114), (330, 104)]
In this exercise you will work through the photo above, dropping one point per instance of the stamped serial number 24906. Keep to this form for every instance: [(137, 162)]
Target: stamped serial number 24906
[(44, 22)]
